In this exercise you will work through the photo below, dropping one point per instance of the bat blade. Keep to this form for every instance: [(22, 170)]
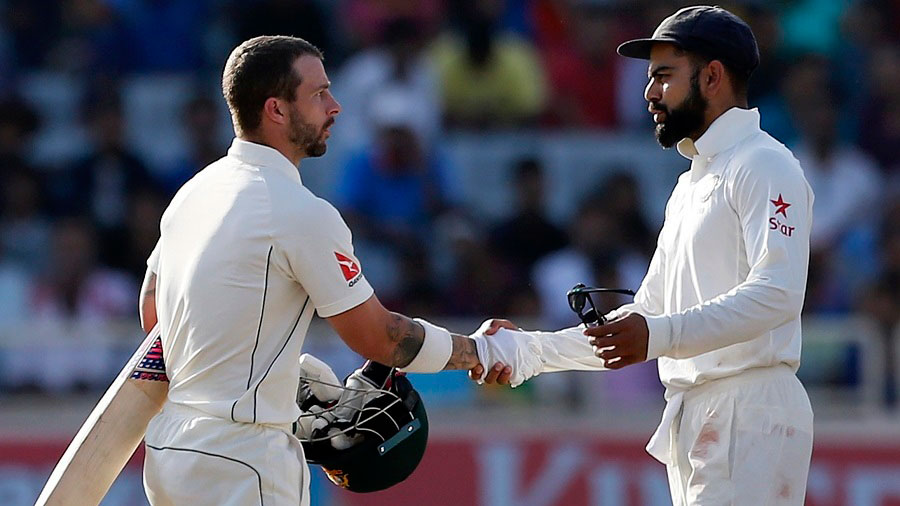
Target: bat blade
[(111, 433)]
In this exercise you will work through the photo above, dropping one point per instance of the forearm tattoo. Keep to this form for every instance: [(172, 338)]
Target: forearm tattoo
[(464, 355), (407, 337)]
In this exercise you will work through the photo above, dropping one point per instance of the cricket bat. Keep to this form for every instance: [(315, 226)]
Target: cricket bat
[(112, 431)]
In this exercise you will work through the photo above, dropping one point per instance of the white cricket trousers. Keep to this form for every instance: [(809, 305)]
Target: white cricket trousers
[(742, 440), (194, 459)]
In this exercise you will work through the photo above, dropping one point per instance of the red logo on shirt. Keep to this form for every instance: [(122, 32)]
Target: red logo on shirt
[(348, 266), (780, 206), (776, 224)]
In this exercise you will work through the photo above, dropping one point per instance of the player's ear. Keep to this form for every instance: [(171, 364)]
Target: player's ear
[(276, 110), (713, 78)]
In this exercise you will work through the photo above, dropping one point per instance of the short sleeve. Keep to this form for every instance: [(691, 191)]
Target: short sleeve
[(153, 259), (318, 252)]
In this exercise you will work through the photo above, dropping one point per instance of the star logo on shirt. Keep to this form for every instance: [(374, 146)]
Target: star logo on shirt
[(780, 206)]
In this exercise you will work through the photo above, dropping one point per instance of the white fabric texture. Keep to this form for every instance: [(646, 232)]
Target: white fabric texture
[(246, 255), (190, 455), (744, 440), (519, 350)]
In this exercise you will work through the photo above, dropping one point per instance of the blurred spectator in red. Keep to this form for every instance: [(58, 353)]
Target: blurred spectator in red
[(527, 235), (583, 70), (102, 183), (202, 121), (77, 286), (365, 21), (392, 190), (881, 114), (488, 79), (24, 227), (396, 65)]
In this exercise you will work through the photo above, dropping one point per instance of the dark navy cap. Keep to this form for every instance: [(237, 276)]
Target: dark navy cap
[(709, 31)]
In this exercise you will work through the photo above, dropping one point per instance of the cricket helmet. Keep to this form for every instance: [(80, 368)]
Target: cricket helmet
[(382, 439)]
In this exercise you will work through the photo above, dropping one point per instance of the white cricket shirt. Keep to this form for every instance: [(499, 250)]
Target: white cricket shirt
[(245, 257), (726, 283)]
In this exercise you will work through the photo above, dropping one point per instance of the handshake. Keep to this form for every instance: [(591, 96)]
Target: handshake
[(506, 355)]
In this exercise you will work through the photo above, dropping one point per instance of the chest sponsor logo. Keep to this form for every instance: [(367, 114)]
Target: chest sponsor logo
[(776, 224), (349, 268)]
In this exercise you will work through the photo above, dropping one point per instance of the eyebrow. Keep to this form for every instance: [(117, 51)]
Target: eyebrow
[(322, 87), (662, 68)]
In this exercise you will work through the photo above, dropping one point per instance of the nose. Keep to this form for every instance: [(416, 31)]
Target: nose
[(335, 108), (653, 91)]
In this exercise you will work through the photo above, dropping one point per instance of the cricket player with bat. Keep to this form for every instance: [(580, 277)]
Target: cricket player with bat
[(246, 256), (720, 304)]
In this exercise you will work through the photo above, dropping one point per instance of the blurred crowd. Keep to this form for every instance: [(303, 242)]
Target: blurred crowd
[(108, 106)]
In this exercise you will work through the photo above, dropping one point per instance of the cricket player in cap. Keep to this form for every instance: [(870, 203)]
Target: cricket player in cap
[(720, 304)]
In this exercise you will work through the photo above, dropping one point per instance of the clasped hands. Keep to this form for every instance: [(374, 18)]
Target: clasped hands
[(619, 343)]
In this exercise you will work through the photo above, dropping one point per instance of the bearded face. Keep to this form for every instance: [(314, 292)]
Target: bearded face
[(307, 137), (683, 120)]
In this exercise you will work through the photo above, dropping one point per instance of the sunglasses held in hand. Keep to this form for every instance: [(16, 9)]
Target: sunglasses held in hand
[(579, 296)]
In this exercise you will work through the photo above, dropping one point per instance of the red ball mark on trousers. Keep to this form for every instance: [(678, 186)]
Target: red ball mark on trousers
[(785, 491), (789, 432), (708, 436)]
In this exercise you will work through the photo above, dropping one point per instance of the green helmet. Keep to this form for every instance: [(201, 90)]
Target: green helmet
[(386, 434)]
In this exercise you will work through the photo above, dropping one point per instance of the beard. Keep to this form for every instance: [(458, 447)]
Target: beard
[(305, 136), (685, 119)]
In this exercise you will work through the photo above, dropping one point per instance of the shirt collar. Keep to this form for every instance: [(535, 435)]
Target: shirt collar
[(263, 156), (731, 127)]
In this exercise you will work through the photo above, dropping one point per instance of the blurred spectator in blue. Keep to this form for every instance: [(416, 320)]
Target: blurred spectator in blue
[(881, 113), (765, 91), (397, 63), (527, 235), (101, 184), (77, 286), (203, 128), (91, 39), (583, 71), (847, 186), (298, 18), (392, 190), (812, 26), (488, 79), (24, 227), (15, 291), (164, 35)]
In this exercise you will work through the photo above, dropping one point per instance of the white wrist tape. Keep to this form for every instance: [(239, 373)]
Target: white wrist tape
[(435, 351)]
